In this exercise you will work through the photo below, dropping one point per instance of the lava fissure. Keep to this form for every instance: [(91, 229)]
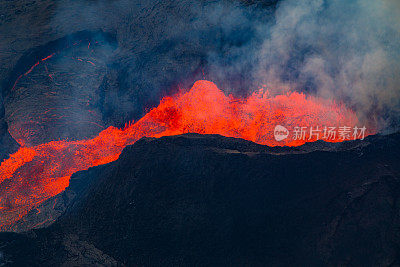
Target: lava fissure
[(34, 174)]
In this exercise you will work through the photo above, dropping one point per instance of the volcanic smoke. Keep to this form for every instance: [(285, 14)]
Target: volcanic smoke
[(34, 174)]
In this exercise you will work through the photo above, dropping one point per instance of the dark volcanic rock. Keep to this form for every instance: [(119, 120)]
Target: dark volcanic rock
[(162, 45), (56, 100), (7, 144), (210, 200)]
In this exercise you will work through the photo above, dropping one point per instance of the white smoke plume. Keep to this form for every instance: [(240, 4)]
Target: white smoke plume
[(343, 50), (348, 51)]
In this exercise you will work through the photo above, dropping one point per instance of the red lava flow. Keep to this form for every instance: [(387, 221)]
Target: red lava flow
[(34, 174)]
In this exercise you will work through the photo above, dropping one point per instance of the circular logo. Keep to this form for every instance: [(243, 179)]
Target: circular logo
[(280, 133)]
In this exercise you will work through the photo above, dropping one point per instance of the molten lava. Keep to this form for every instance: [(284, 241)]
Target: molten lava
[(34, 174)]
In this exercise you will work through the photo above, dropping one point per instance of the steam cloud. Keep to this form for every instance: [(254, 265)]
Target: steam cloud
[(342, 50)]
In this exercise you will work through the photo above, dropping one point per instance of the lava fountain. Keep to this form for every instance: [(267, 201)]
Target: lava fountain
[(34, 174)]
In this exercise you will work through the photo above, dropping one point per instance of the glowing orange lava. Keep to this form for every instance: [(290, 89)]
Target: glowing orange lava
[(34, 174)]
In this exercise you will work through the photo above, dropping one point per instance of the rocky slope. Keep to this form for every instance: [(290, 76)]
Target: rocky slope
[(210, 200)]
